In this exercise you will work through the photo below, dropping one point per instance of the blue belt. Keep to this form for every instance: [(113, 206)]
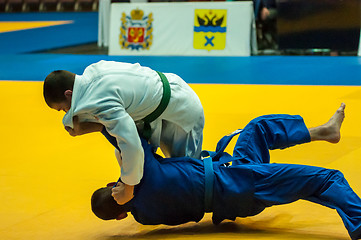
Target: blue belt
[(209, 181)]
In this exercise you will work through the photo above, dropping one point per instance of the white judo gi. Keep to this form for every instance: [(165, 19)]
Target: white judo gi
[(119, 95)]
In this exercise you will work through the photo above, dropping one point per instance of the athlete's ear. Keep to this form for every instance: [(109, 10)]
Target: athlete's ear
[(68, 94), (122, 216), (111, 184)]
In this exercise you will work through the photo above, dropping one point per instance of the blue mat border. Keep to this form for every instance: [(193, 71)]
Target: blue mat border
[(278, 70), (84, 29)]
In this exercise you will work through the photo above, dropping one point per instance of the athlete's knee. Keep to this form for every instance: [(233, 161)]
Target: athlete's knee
[(264, 123), (334, 176), (260, 119), (337, 174), (267, 119), (258, 122)]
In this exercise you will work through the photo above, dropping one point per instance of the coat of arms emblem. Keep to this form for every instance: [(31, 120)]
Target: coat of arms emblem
[(210, 27), (136, 30)]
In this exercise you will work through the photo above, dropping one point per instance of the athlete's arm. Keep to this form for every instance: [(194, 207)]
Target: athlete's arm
[(80, 128)]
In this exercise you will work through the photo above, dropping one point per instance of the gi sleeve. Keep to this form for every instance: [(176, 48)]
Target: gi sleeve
[(120, 125)]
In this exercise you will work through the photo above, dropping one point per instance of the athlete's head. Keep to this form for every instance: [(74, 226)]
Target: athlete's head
[(58, 89), (105, 207)]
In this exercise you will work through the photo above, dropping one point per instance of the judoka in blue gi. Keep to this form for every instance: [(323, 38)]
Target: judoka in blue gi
[(179, 190)]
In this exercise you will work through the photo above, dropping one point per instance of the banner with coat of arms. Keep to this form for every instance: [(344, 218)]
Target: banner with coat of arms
[(136, 30), (210, 29), (182, 29)]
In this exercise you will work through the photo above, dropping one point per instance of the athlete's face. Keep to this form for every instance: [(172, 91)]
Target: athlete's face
[(64, 105), (61, 106)]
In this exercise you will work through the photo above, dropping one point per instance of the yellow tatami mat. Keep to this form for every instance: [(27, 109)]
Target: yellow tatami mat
[(24, 25), (47, 177)]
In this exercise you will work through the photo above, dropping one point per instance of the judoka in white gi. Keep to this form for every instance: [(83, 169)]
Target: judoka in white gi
[(119, 96)]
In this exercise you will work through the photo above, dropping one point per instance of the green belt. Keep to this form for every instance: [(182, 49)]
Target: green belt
[(147, 132)]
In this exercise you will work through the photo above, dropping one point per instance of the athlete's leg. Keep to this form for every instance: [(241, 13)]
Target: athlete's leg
[(270, 132), (281, 131), (285, 183), (176, 142), (329, 131)]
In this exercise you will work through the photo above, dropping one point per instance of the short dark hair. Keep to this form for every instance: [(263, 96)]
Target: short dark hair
[(55, 84), (104, 206)]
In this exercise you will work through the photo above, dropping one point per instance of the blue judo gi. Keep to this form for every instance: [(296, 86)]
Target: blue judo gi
[(179, 190)]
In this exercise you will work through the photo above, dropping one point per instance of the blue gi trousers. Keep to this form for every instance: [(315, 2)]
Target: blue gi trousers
[(285, 183), (272, 184)]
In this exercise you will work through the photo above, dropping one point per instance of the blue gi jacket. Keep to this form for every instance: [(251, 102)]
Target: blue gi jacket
[(183, 181), (172, 190)]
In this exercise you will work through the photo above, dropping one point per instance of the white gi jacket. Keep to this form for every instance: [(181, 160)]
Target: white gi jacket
[(119, 95)]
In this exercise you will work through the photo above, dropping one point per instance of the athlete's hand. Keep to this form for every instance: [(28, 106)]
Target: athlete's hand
[(80, 128), (70, 131), (122, 193)]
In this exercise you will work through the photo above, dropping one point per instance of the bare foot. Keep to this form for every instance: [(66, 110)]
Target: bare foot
[(330, 131)]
